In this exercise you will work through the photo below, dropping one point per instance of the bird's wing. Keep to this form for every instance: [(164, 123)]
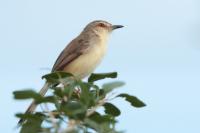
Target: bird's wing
[(75, 48)]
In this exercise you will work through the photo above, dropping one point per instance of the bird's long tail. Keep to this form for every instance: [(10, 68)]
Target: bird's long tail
[(33, 105)]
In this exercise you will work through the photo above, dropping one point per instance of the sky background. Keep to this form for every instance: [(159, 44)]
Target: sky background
[(157, 54)]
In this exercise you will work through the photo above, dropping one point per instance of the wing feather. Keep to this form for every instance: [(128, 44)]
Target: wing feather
[(72, 51)]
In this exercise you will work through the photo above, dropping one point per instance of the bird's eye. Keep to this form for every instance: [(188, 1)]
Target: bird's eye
[(101, 25)]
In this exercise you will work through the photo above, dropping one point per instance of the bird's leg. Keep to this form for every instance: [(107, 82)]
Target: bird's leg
[(77, 91)]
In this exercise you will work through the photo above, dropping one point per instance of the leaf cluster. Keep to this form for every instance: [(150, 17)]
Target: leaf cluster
[(75, 105)]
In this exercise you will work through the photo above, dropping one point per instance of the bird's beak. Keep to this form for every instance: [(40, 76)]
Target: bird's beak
[(114, 27)]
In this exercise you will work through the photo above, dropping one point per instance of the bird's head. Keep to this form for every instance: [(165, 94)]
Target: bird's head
[(101, 27)]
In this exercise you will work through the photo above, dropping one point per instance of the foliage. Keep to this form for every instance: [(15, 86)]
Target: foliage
[(76, 103)]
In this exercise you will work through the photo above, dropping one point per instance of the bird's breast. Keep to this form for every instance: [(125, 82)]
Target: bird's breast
[(87, 62)]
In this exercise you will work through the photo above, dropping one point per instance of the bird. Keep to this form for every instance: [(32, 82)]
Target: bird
[(83, 54)]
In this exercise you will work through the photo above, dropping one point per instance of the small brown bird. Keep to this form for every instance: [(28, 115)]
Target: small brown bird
[(82, 55)]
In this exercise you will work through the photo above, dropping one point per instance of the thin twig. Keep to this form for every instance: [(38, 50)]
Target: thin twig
[(63, 88), (92, 110), (51, 115)]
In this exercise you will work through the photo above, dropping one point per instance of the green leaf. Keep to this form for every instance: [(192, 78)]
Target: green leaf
[(133, 100), (69, 89), (85, 93), (86, 97), (98, 118), (26, 94), (100, 123), (73, 109), (47, 99), (92, 124), (33, 123), (66, 91), (30, 116), (111, 109), (108, 87), (100, 128), (56, 77), (58, 91), (31, 126), (98, 76)]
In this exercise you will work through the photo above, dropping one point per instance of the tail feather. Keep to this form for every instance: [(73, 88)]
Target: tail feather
[(33, 105)]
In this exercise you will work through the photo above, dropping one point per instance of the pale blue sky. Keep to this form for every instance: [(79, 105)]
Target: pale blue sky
[(157, 55)]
